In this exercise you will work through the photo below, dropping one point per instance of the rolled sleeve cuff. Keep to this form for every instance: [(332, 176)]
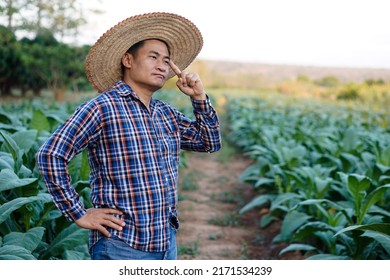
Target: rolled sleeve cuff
[(75, 213), (202, 106)]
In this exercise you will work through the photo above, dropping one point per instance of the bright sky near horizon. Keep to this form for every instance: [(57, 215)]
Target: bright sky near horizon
[(336, 33)]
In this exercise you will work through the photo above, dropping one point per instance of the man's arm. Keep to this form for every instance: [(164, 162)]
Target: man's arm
[(204, 134), (52, 160)]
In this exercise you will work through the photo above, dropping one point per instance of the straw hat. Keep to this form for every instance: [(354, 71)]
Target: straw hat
[(103, 64)]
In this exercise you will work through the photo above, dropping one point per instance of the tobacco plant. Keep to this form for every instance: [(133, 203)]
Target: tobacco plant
[(324, 171)]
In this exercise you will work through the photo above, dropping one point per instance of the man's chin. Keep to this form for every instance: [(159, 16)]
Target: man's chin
[(156, 87)]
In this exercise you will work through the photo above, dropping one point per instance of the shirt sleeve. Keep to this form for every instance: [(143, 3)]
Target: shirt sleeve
[(54, 155), (202, 134)]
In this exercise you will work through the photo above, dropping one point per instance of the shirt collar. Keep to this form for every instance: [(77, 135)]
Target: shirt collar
[(124, 90)]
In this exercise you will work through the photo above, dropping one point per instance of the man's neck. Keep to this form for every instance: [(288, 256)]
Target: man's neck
[(144, 94)]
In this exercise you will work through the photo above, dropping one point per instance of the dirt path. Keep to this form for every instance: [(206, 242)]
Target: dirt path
[(210, 196)]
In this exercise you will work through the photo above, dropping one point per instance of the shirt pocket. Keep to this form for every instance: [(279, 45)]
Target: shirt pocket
[(171, 140)]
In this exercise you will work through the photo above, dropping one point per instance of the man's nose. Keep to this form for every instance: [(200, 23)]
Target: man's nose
[(162, 66)]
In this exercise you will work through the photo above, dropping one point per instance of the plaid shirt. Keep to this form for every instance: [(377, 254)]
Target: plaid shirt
[(133, 155)]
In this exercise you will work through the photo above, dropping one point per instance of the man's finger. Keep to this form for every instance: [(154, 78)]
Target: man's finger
[(114, 220), (103, 230), (113, 225), (175, 68), (110, 211)]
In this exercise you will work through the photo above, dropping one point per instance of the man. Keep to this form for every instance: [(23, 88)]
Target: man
[(133, 141)]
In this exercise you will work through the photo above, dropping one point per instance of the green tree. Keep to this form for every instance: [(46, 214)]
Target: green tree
[(33, 61), (42, 62), (62, 17), (9, 60), (48, 63), (12, 11)]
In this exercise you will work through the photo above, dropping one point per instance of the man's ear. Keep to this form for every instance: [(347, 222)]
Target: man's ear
[(127, 60)]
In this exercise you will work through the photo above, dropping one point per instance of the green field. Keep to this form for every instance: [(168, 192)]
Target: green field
[(322, 166)]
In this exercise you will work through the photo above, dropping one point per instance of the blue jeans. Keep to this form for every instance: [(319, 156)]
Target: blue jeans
[(114, 248)]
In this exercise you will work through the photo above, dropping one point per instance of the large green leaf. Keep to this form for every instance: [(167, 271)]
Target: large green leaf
[(384, 179), (350, 141), (78, 253), (11, 145), (322, 202), (258, 201), (357, 185), (292, 221), (384, 157), (84, 168), (380, 170), (311, 229), (348, 161), (71, 237), (6, 161), (371, 199), (39, 121), (9, 180), (322, 186), (328, 257), (283, 199), (383, 239), (79, 167), (267, 219), (25, 139), (13, 252), (6, 118), (28, 240), (381, 228), (297, 247), (7, 208), (263, 182), (56, 116)]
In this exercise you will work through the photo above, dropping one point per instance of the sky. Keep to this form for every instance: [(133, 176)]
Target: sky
[(334, 33)]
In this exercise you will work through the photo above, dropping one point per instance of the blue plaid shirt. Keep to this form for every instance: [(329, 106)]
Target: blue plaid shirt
[(133, 155)]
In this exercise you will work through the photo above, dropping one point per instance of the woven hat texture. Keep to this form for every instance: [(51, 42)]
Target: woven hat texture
[(103, 63)]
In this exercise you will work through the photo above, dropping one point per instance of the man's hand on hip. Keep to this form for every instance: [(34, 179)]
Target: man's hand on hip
[(100, 218)]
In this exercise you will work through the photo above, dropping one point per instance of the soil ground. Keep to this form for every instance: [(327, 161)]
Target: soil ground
[(210, 196)]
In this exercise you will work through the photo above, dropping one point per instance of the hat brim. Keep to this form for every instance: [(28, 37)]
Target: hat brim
[(103, 63)]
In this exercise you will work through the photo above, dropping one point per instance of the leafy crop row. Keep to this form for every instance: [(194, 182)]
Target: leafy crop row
[(30, 225), (324, 171)]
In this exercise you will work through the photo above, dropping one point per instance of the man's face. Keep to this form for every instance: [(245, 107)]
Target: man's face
[(150, 65)]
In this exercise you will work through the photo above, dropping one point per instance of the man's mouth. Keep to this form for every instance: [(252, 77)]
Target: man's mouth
[(160, 76)]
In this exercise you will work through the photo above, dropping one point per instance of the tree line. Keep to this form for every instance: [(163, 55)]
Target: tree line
[(39, 59)]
